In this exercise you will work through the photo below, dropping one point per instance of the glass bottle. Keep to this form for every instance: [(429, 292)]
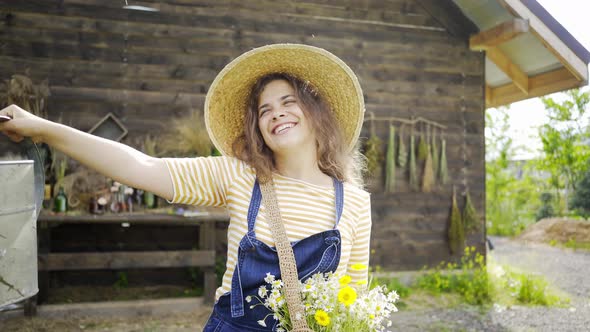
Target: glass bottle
[(60, 202)]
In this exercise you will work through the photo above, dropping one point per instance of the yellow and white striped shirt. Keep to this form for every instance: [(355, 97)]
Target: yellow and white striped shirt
[(306, 208)]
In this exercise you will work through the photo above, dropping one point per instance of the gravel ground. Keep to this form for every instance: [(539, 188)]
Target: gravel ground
[(565, 269)]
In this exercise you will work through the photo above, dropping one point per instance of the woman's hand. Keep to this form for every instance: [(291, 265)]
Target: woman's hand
[(22, 124)]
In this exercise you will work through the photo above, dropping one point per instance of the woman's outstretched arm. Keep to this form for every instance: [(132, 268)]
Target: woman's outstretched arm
[(115, 160)]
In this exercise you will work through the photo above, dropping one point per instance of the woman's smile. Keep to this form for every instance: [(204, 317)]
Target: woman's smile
[(283, 128)]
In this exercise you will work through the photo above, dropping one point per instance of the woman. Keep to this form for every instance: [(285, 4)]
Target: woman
[(285, 113)]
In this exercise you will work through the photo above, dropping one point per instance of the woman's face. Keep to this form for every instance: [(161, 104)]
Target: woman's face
[(281, 120)]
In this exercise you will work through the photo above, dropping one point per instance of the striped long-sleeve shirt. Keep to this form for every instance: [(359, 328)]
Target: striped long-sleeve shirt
[(306, 209)]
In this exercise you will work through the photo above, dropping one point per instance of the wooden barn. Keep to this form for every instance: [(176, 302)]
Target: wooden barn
[(428, 69)]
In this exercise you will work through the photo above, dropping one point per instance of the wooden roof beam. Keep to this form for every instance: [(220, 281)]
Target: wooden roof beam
[(553, 43), (518, 77), (499, 34), (540, 85)]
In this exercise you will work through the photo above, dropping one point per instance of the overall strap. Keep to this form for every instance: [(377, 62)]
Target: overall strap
[(338, 199), (254, 206)]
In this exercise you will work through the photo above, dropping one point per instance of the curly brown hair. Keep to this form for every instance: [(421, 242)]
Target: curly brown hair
[(332, 155)]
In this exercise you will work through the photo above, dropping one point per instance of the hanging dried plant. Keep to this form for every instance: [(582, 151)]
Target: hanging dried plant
[(443, 173), (150, 146), (422, 147), (20, 90), (402, 154), (390, 162), (428, 174), (412, 170), (373, 154), (434, 152), (456, 234), (470, 219), (187, 137)]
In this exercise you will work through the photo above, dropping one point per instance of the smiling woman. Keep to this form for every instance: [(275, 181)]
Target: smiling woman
[(286, 119)]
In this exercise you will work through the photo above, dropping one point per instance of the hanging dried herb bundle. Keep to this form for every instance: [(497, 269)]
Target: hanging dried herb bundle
[(435, 153), (186, 137), (456, 233), (402, 154), (443, 172), (373, 154), (20, 90), (390, 162), (422, 147), (470, 220), (428, 174), (412, 170)]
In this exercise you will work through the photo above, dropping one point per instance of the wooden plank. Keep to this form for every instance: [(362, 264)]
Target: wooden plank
[(256, 21), (125, 260), (145, 219), (108, 25), (149, 97), (450, 16), (539, 85), (518, 77), (499, 34), (385, 13), (51, 49)]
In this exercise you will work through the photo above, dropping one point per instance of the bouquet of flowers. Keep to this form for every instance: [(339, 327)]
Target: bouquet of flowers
[(331, 304)]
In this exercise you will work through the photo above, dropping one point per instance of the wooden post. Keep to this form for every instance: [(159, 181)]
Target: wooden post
[(44, 243), (31, 306), (207, 242)]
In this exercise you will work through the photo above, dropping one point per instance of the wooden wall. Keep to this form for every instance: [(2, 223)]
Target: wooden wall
[(411, 57)]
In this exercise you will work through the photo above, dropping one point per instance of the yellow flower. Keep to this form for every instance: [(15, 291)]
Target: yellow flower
[(347, 295), (322, 318), (372, 316), (345, 280), (358, 267)]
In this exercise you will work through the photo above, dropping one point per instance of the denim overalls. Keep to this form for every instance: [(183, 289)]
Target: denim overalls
[(318, 253)]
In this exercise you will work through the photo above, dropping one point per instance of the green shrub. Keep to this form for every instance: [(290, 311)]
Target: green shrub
[(470, 281), (512, 287)]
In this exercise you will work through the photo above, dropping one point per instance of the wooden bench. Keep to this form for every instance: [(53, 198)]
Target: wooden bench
[(203, 258)]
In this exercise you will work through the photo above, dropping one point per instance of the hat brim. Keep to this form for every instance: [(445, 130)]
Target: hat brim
[(226, 101)]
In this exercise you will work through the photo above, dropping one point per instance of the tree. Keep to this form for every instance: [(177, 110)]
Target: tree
[(565, 140), (511, 201), (581, 197)]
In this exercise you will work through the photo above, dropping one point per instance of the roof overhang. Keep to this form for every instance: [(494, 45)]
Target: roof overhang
[(528, 53)]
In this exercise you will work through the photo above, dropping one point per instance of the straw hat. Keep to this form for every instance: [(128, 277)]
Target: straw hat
[(226, 102)]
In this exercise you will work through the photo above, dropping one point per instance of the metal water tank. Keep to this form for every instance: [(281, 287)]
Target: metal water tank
[(18, 235)]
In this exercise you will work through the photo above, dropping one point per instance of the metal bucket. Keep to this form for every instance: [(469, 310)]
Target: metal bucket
[(18, 235)]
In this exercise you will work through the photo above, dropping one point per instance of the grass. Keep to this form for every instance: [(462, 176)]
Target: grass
[(514, 287), (572, 244), (472, 282)]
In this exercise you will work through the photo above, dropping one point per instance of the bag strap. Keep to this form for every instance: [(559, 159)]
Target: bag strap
[(287, 263)]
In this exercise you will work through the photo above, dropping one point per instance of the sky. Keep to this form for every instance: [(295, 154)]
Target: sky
[(527, 115)]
